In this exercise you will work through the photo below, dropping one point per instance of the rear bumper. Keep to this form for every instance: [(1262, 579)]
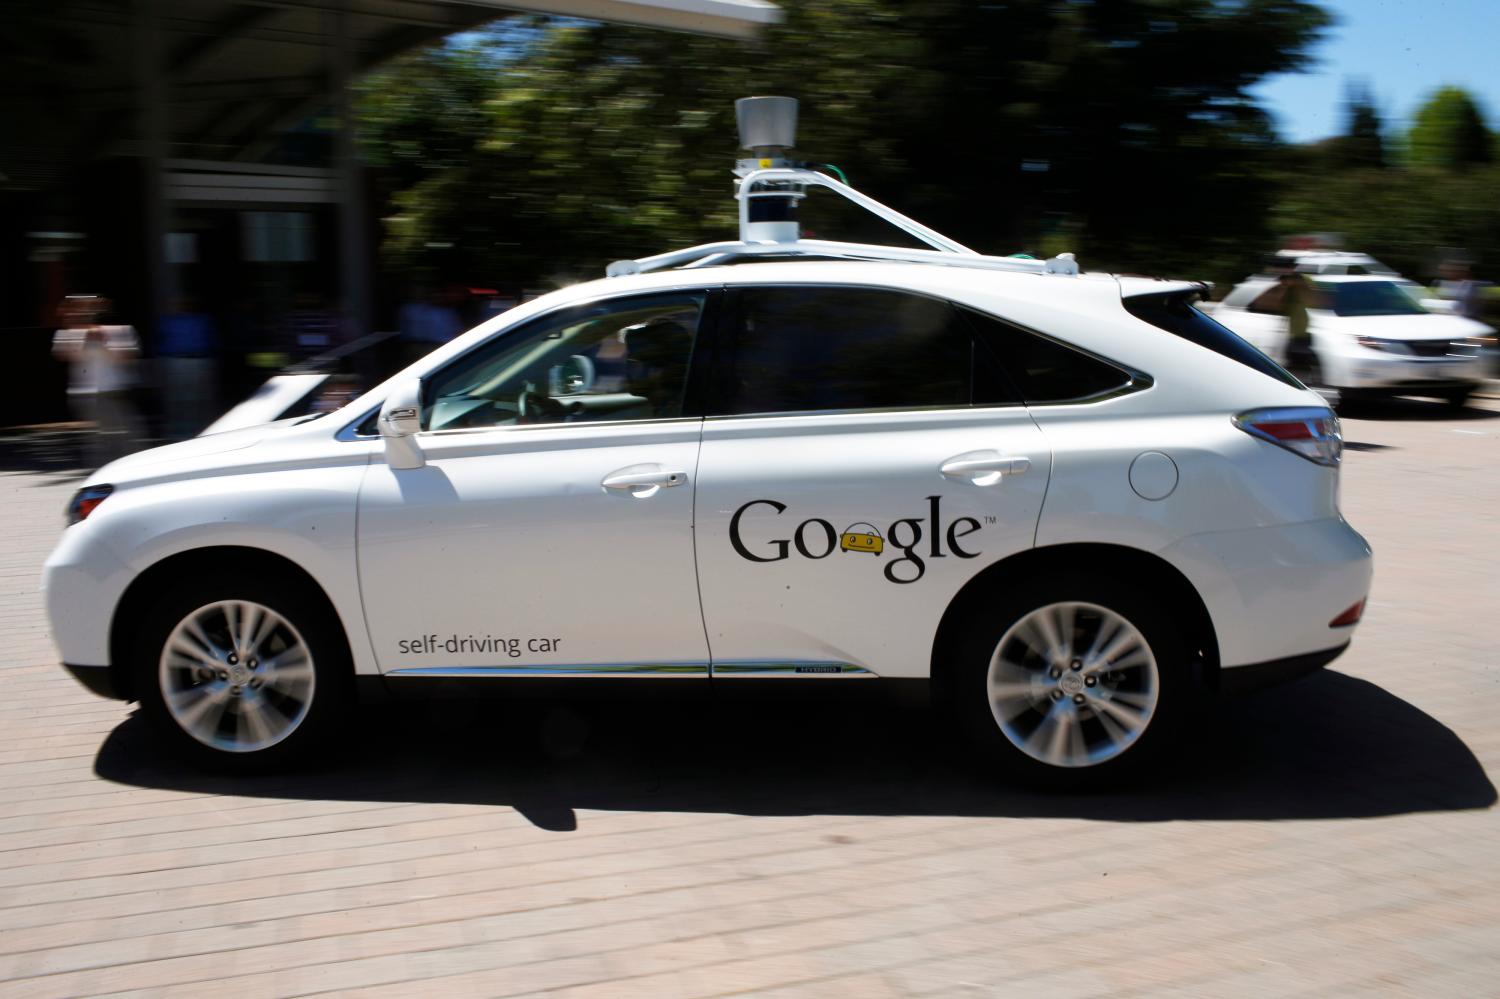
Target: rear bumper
[(1256, 676), (1272, 591)]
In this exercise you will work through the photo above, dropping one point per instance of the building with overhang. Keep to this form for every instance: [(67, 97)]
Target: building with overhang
[(160, 147)]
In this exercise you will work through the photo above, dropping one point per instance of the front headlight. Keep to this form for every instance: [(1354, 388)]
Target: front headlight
[(1385, 346), (85, 501)]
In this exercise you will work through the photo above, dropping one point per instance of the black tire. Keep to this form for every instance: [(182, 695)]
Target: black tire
[(1353, 400), (307, 612), (991, 620), (1457, 398)]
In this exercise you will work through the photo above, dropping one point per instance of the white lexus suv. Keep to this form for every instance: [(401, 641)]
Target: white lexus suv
[(1069, 502), (1370, 334)]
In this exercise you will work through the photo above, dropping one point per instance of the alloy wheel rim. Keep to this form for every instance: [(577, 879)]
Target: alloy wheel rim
[(236, 676), (1073, 684)]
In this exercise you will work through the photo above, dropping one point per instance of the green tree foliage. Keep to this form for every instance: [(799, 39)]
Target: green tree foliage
[(426, 114), (1402, 217), (1446, 194), (1122, 130), (1361, 146), (1449, 132)]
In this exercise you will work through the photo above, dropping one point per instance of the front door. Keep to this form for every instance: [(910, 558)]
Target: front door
[(550, 530), (860, 464)]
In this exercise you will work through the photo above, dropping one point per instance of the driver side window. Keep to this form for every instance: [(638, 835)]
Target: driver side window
[(619, 360)]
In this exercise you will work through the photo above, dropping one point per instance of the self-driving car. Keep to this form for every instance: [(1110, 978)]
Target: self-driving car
[(1069, 503)]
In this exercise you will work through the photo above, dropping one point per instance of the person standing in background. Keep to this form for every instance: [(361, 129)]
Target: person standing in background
[(101, 363), (1458, 286), (1301, 359), (189, 350)]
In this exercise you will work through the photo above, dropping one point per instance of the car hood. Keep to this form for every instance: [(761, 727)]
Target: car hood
[(267, 403), (198, 453), (1428, 327)]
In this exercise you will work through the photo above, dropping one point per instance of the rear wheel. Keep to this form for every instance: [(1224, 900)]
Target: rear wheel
[(246, 674), (1070, 680)]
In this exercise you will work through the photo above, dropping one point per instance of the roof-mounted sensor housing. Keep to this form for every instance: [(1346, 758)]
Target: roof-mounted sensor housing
[(768, 186)]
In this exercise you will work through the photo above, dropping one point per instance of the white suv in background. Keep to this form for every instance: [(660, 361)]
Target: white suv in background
[(1330, 262), (1370, 334), (1070, 502)]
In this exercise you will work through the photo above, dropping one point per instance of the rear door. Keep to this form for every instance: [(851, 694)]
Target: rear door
[(863, 458)]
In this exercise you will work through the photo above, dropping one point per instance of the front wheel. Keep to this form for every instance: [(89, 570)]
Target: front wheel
[(248, 674), (1457, 398), (1070, 680)]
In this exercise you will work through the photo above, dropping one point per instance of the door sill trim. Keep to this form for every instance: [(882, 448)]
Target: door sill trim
[(662, 671), (747, 670), (791, 669)]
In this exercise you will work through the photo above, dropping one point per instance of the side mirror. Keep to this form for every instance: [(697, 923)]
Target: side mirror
[(400, 421)]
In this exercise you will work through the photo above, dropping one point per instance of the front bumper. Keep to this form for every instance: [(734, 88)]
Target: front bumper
[(82, 583), (1374, 370)]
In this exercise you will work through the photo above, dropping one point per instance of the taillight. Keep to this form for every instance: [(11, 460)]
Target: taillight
[(1310, 432), (1349, 617), (85, 500)]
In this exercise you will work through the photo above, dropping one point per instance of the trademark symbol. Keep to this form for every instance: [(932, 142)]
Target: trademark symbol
[(990, 520)]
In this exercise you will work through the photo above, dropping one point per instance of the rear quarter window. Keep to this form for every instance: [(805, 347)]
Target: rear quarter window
[(1174, 313)]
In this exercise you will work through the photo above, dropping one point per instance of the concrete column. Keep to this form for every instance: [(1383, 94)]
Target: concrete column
[(354, 250), (150, 71)]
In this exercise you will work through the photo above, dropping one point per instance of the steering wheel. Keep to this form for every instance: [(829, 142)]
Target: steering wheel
[(578, 374), (535, 407)]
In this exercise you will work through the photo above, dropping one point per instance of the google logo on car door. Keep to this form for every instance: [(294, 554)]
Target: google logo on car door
[(816, 538)]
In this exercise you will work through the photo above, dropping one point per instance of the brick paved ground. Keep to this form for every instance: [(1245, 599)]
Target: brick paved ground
[(1337, 835)]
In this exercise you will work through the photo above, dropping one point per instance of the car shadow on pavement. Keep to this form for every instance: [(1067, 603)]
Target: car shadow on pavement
[(57, 449), (1328, 746), (1403, 409)]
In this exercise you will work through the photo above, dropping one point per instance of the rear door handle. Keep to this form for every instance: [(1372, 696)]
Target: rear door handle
[(643, 480), (984, 468)]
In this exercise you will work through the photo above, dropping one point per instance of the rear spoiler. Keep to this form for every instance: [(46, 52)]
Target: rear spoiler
[(1139, 287)]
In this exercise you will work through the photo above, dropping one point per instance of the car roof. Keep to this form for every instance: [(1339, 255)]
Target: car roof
[(1085, 291), (1358, 278), (1267, 279), (1329, 256)]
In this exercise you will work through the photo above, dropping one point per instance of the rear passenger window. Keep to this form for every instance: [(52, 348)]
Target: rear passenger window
[(1043, 369), (809, 349)]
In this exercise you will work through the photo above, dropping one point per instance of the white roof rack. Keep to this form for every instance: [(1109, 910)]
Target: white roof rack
[(709, 254), (782, 239)]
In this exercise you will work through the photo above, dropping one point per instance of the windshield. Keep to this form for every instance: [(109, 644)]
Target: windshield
[(1369, 298)]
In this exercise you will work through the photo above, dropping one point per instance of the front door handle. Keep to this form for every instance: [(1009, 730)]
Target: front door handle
[(984, 468), (642, 481)]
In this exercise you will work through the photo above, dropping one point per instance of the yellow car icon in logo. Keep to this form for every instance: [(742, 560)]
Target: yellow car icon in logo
[(861, 541)]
